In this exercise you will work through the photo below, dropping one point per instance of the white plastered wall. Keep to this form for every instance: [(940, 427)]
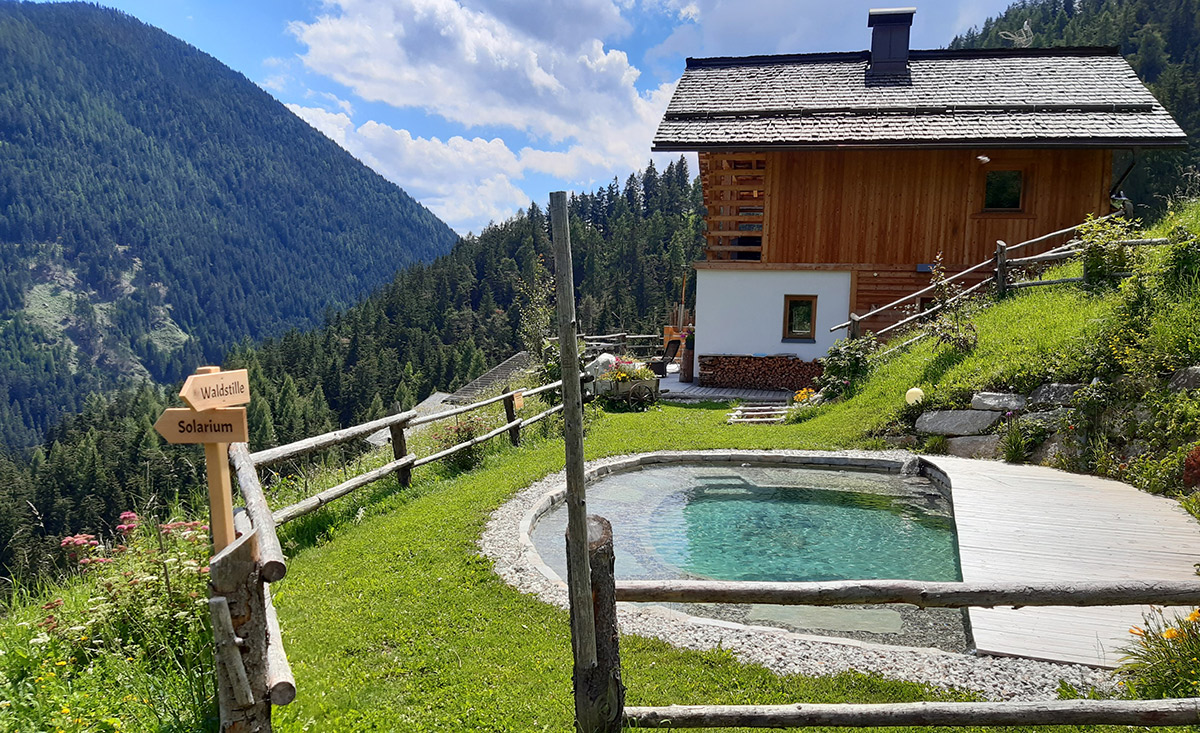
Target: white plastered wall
[(741, 311)]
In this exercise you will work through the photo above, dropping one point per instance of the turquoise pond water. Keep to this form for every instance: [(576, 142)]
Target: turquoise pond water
[(766, 523)]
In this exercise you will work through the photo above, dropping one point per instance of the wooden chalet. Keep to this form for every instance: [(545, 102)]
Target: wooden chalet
[(832, 181)]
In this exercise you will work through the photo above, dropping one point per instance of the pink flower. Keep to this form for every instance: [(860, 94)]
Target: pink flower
[(129, 516)]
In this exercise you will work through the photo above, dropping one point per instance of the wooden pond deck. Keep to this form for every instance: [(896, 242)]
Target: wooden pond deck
[(1028, 523)]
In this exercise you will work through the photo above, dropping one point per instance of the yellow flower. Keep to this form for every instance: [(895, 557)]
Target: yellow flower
[(60, 664), (1172, 633), (1194, 616)]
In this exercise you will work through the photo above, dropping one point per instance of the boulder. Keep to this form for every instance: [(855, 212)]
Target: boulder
[(997, 401), (1055, 394), (1187, 378), (974, 446), (1047, 418), (957, 422), (1045, 453)]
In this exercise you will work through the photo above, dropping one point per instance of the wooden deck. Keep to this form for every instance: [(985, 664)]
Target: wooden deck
[(694, 393), (1027, 523)]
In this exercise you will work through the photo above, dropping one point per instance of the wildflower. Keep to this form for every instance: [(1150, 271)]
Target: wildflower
[(1172, 633), (1137, 631), (1194, 616), (129, 516)]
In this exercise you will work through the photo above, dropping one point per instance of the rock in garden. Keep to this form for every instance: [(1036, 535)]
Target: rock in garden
[(1045, 453), (1054, 394), (997, 401), (974, 446), (1187, 378), (957, 422), (1047, 418)]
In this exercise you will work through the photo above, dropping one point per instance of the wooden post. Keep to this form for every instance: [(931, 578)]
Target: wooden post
[(855, 329), (579, 581), (236, 594), (220, 490), (510, 414), (400, 448), (605, 685), (1001, 268)]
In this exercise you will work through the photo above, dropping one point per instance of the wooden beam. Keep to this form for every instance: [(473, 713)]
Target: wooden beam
[(273, 563), (1184, 711), (917, 593), (309, 445), (315, 502), (579, 583)]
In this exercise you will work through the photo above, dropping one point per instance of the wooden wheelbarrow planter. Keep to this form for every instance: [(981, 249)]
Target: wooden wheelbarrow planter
[(637, 392)]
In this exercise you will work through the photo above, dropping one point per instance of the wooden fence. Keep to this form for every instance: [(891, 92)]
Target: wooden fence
[(252, 668), (1004, 268), (620, 343), (606, 592)]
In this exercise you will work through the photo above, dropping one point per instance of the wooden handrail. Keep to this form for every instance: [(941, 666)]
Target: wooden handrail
[(274, 564), (309, 445), (482, 403), (316, 501), (970, 269)]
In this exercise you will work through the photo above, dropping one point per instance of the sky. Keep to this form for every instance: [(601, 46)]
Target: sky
[(478, 107)]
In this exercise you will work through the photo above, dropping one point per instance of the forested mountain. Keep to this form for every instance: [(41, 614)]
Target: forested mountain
[(434, 326), (157, 207), (439, 326), (1161, 40)]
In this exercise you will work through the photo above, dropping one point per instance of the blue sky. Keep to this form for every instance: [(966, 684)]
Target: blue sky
[(477, 107)]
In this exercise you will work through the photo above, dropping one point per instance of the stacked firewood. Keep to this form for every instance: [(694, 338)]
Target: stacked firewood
[(782, 371)]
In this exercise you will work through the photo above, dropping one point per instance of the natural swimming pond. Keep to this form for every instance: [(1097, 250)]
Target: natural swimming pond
[(776, 523)]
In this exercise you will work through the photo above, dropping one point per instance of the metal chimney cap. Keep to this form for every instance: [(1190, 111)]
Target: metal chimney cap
[(890, 16)]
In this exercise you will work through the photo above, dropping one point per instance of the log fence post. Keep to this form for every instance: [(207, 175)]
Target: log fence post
[(510, 415), (1001, 269), (855, 329), (604, 685), (400, 448), (238, 609), (579, 583)]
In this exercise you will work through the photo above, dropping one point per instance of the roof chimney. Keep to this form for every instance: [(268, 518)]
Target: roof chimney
[(889, 40)]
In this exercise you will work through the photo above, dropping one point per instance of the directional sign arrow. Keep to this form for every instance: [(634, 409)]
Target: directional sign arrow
[(217, 389), (221, 425)]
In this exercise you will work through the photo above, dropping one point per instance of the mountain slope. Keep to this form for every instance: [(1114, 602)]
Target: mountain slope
[(157, 207), (1161, 40)]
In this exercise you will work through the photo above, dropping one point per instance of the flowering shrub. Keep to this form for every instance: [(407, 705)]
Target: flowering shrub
[(626, 370), (125, 645), (846, 365), (464, 428), (1161, 661)]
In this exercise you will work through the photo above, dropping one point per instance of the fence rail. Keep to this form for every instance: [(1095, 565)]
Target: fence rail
[(253, 671), (606, 592), (957, 275)]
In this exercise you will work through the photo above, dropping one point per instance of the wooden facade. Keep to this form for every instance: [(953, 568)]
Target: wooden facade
[(885, 214)]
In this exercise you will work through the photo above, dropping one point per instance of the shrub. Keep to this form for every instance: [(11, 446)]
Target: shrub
[(1161, 661), (846, 365), (952, 327), (1014, 444), (464, 428), (1103, 254), (135, 619)]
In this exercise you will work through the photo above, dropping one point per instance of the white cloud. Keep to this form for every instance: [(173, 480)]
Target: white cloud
[(539, 67)]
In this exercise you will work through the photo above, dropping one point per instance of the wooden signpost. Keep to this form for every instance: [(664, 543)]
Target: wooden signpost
[(215, 422)]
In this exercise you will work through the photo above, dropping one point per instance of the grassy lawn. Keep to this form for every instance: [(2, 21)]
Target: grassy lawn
[(401, 625)]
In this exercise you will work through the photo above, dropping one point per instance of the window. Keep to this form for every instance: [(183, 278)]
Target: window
[(799, 316), (1002, 191)]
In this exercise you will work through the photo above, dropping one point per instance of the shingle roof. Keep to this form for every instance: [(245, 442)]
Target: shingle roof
[(1027, 97)]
